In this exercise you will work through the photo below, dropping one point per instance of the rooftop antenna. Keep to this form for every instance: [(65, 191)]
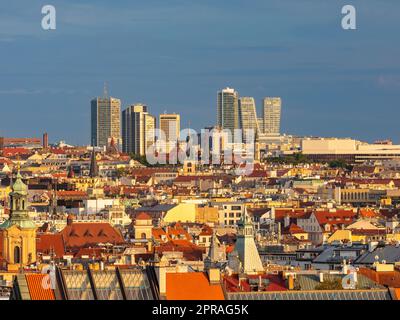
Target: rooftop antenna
[(105, 90)]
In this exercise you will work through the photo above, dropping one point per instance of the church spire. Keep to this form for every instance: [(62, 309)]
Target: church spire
[(94, 169), (246, 247), (19, 205)]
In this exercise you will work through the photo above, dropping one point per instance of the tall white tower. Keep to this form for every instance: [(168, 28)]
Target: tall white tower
[(246, 247)]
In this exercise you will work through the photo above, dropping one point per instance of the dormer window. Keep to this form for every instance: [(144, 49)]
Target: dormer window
[(87, 234)]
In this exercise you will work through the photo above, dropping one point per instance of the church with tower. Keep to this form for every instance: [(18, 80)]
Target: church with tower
[(18, 232), (245, 257)]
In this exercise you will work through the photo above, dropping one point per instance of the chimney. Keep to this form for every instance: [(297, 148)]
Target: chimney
[(161, 272), (149, 246), (273, 213), (214, 276), (70, 219), (286, 221), (45, 144), (291, 282)]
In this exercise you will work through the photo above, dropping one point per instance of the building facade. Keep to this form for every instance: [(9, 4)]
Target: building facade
[(105, 121), (138, 129), (272, 115), (170, 125), (228, 109), (248, 117)]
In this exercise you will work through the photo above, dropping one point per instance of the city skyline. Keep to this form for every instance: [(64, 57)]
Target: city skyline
[(320, 71), (227, 153)]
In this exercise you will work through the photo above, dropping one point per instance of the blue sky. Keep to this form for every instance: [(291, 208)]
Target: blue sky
[(175, 55)]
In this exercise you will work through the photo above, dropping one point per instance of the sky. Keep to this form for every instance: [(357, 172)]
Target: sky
[(175, 55)]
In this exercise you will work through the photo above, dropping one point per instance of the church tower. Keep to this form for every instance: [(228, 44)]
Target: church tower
[(94, 169), (18, 232), (246, 248)]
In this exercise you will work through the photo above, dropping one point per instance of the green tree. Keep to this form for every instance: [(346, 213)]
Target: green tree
[(335, 284)]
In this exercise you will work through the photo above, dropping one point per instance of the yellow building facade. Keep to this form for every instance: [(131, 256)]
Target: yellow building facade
[(18, 233)]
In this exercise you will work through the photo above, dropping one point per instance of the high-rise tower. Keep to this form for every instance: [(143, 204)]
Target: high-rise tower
[(170, 125), (248, 116), (272, 115), (137, 129), (228, 109), (105, 120)]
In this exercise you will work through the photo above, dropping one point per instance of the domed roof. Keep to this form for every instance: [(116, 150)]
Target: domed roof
[(19, 186)]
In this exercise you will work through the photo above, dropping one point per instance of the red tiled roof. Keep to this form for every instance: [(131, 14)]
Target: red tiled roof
[(298, 213), (57, 151), (158, 232), (143, 216), (15, 151), (338, 217), (190, 251), (206, 231), (276, 283), (60, 175), (386, 278), (368, 213), (6, 161), (150, 171), (47, 243), (293, 229), (192, 286), (81, 234), (368, 232), (71, 193), (39, 287)]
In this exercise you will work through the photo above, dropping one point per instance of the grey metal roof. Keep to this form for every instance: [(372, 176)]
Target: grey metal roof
[(313, 295), (389, 253), (336, 254), (311, 281)]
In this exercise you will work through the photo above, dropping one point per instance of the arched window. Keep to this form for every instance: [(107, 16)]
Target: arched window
[(17, 254), (143, 235)]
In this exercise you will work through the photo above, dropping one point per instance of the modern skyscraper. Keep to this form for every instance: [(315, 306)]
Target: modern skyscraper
[(170, 124), (106, 121), (272, 115), (137, 129), (248, 116), (228, 109)]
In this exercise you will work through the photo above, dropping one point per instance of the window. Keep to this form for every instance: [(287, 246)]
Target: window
[(17, 254)]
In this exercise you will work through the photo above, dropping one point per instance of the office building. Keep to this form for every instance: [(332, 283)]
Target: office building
[(350, 150), (272, 115), (248, 116), (106, 121), (170, 125), (137, 129), (228, 109), (28, 143)]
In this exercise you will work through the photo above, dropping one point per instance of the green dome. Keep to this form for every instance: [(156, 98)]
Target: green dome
[(19, 186)]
